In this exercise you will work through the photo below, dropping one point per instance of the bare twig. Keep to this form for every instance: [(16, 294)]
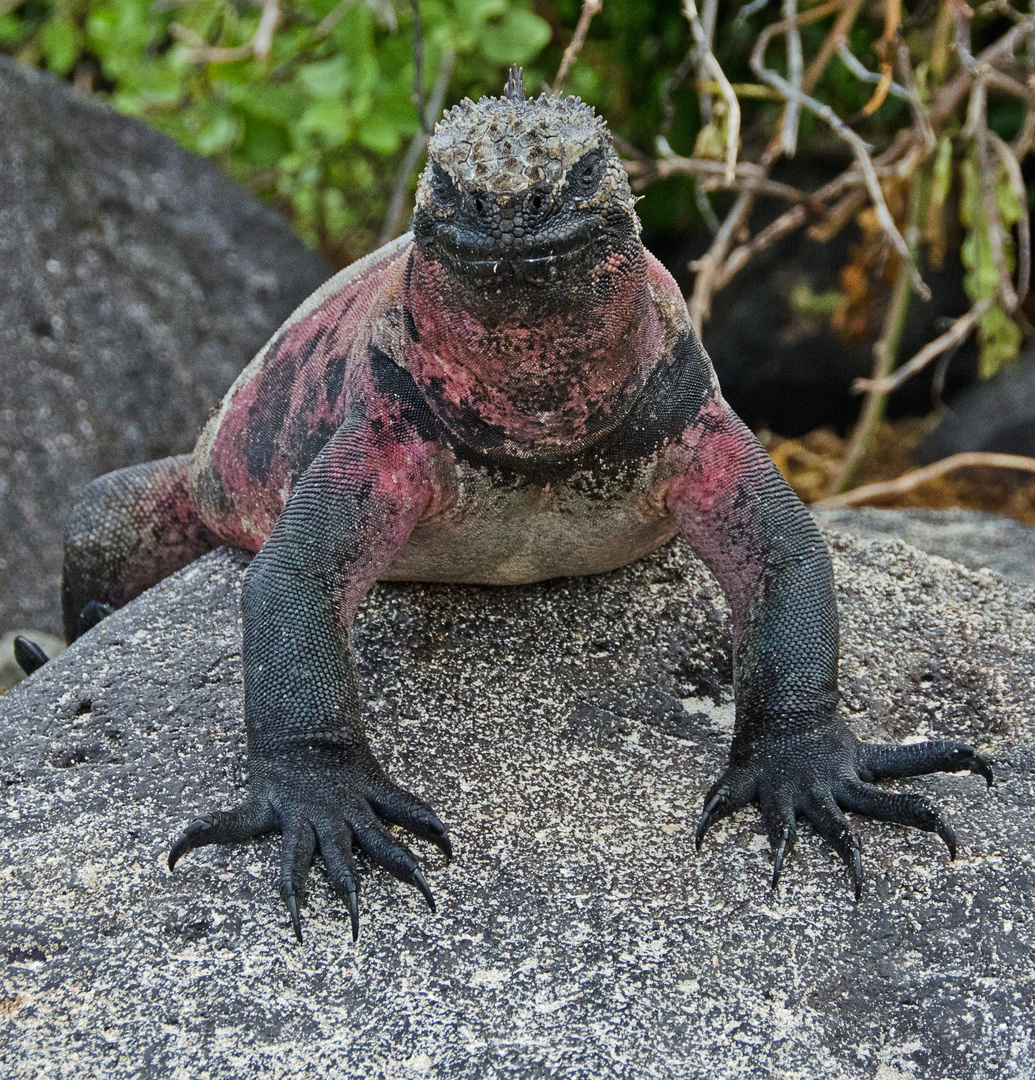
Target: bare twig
[(859, 148), (838, 216), (861, 72), (977, 129), (327, 24), (704, 100), (898, 159), (1025, 137), (885, 352), (921, 121), (709, 266), (706, 267), (732, 105), (714, 173), (415, 149), (259, 46), (892, 22), (750, 9), (578, 39), (838, 32), (952, 337), (910, 480), (792, 112)]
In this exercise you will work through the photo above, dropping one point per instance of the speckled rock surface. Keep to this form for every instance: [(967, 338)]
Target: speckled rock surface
[(137, 281), (567, 733), (975, 539)]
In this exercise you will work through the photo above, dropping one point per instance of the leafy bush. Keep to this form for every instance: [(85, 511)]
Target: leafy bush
[(318, 124)]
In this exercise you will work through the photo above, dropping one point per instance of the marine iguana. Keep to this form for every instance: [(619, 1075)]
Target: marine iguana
[(510, 392)]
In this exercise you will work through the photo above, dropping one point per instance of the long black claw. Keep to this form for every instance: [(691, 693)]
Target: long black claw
[(178, 850), (708, 817), (944, 830), (856, 867), (418, 879), (980, 765), (781, 851), (353, 902), (296, 922), (29, 655), (444, 844), (186, 841)]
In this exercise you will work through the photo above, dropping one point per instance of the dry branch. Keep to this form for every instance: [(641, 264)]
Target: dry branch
[(859, 148), (732, 105), (259, 46), (413, 152), (952, 337), (910, 480), (589, 9)]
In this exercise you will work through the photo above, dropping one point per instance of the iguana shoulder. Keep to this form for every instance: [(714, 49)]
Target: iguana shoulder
[(292, 397)]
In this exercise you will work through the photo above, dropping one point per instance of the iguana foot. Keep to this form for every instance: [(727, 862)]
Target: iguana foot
[(820, 774), (325, 803)]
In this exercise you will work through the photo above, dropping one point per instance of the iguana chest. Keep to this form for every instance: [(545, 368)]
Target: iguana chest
[(509, 530)]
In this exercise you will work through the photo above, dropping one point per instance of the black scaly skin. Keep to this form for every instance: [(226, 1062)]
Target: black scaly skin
[(409, 423), (791, 753)]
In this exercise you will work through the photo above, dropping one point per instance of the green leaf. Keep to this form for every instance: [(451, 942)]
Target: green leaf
[(516, 39), (265, 142), (379, 134), (1000, 340), (11, 27), (337, 215), (474, 12), (59, 41), (330, 120), (218, 132), (1006, 200), (326, 79)]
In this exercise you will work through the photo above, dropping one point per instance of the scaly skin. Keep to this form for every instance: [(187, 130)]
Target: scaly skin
[(512, 392)]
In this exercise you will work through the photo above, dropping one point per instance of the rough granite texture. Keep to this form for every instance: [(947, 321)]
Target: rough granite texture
[(567, 733), (971, 537), (137, 282)]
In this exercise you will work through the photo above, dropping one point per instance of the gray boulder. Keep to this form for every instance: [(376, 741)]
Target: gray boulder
[(567, 733), (996, 414), (137, 281), (970, 537)]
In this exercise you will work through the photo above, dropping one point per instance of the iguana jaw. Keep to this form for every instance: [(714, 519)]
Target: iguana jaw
[(540, 372)]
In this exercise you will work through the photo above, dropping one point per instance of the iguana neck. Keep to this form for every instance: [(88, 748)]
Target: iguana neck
[(531, 371)]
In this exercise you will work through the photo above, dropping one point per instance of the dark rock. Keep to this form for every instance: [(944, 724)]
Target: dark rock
[(997, 415), (578, 933), (137, 282), (780, 363), (970, 537)]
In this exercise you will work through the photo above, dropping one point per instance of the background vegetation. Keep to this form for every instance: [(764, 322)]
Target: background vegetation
[(927, 114)]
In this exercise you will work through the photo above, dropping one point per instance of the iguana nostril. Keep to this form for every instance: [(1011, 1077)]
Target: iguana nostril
[(479, 205)]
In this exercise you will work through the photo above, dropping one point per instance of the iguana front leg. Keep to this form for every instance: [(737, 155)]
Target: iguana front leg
[(791, 753), (311, 771)]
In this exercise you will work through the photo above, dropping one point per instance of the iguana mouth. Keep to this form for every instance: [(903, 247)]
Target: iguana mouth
[(529, 258)]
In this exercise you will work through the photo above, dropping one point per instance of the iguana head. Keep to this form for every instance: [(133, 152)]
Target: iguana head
[(520, 192), (527, 300)]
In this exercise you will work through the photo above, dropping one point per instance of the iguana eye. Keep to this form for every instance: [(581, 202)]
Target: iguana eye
[(585, 175)]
